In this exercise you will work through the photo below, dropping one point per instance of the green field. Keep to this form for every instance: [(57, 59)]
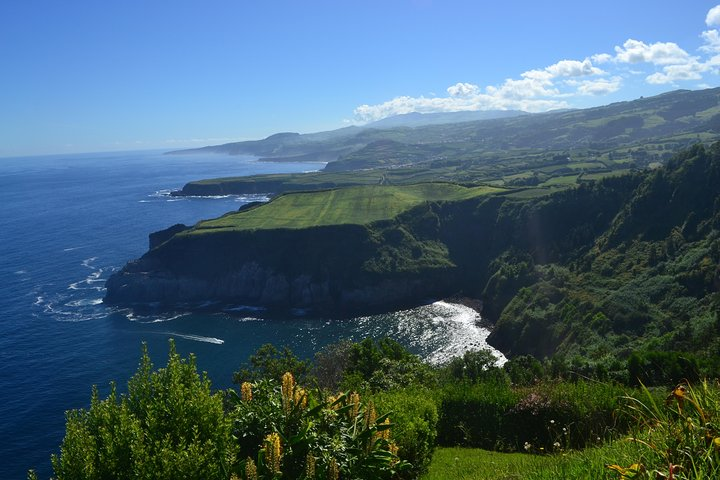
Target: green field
[(354, 205)]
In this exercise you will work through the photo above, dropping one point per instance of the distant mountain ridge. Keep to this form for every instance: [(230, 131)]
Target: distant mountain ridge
[(416, 119), (680, 114)]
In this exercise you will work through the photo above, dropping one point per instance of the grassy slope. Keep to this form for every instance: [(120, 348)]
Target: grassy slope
[(355, 205), (477, 464)]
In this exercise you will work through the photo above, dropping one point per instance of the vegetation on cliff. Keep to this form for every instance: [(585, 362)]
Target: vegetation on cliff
[(607, 268)]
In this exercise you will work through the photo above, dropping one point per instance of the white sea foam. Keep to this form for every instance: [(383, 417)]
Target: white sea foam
[(244, 308), (152, 318), (88, 261), (21, 272), (84, 302), (462, 325), (197, 338)]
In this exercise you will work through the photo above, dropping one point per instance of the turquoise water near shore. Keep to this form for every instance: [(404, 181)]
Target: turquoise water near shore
[(66, 223)]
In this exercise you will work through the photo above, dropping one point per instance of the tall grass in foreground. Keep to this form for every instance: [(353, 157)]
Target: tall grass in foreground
[(675, 439), (679, 438)]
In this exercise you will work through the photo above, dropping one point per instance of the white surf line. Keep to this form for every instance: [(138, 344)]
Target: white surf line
[(197, 338), (470, 333)]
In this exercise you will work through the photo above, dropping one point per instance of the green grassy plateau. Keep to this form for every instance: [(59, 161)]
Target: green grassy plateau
[(355, 205)]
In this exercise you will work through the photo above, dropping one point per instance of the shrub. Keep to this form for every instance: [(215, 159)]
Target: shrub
[(168, 426), (476, 365), (492, 415), (662, 368), (269, 362), (284, 430), (415, 416), (471, 415)]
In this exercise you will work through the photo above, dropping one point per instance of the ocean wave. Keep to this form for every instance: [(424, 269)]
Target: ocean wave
[(87, 262), (244, 308), (134, 317), (196, 338), (84, 302), (461, 325)]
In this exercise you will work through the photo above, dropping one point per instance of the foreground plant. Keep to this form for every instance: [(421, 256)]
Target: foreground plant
[(678, 439), (290, 432), (169, 425)]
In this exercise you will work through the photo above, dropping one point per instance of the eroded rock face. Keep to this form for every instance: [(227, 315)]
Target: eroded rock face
[(256, 285), (340, 269)]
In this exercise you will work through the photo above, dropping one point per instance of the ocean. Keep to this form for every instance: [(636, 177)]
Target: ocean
[(66, 223)]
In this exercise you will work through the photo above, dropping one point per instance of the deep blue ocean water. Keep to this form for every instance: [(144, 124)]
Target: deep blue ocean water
[(66, 223)]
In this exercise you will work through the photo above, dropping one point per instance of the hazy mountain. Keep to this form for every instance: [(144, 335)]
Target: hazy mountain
[(415, 119)]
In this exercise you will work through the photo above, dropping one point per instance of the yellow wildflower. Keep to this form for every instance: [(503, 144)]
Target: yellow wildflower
[(310, 466), (273, 452), (250, 470), (288, 391), (246, 391), (333, 470)]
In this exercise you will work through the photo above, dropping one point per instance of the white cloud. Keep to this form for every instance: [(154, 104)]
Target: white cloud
[(573, 68), (691, 70), (480, 101), (713, 16), (659, 53), (556, 85), (463, 90), (601, 57), (534, 91), (601, 86), (712, 41)]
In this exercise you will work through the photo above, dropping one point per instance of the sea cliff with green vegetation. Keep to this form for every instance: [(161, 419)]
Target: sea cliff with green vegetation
[(605, 267)]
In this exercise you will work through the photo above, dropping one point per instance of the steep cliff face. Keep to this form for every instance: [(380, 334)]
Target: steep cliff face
[(430, 251), (335, 269)]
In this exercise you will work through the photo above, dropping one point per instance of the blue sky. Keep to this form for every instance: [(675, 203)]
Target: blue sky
[(84, 75)]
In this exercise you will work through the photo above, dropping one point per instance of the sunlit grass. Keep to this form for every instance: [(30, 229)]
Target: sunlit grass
[(354, 205)]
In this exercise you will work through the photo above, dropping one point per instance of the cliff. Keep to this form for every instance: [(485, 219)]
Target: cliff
[(327, 269)]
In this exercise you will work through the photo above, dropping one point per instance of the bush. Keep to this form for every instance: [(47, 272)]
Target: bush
[(476, 365), (290, 432), (662, 368), (415, 416), (471, 415), (168, 426), (269, 362), (494, 416)]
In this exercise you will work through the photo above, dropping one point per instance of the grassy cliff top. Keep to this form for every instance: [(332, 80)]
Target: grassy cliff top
[(354, 205)]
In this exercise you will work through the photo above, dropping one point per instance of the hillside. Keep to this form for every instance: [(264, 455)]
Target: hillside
[(600, 269), (549, 149)]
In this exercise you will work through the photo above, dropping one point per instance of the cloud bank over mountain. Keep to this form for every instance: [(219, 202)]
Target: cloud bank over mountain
[(565, 82)]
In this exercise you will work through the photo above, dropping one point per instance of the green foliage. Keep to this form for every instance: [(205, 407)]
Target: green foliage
[(679, 438), (384, 364), (284, 430), (546, 416), (524, 370), (476, 365), (269, 362), (169, 425), (662, 368), (414, 414)]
